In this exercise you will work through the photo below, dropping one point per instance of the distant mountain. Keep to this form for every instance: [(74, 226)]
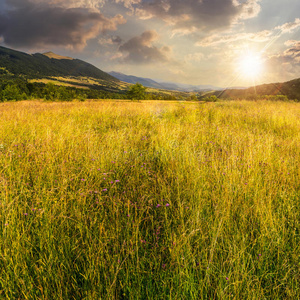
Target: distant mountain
[(163, 85), (190, 87), (48, 64), (134, 79)]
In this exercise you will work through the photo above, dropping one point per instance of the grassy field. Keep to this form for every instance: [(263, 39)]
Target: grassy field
[(150, 200)]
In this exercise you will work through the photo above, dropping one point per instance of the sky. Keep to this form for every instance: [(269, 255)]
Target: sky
[(224, 43)]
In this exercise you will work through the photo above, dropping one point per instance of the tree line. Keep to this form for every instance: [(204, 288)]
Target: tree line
[(18, 89), (21, 89)]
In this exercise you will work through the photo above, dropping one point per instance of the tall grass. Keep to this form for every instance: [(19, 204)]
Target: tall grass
[(121, 200)]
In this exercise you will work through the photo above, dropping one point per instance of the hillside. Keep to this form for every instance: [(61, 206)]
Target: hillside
[(56, 56), (290, 89), (67, 71), (48, 64)]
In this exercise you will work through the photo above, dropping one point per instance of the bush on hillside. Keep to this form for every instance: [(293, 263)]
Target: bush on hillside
[(136, 92), (211, 98)]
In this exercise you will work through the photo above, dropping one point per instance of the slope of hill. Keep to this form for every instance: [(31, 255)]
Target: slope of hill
[(36, 71), (48, 64), (163, 85), (290, 89), (56, 56)]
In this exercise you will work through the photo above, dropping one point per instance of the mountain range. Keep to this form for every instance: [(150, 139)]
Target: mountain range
[(75, 72), (48, 64), (163, 85)]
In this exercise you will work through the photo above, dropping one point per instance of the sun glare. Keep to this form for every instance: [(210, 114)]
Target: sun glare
[(251, 65)]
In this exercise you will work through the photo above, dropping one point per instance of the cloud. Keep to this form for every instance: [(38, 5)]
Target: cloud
[(258, 37), (289, 27), (248, 9), (38, 23), (262, 36), (291, 43), (188, 16), (140, 49), (293, 54), (128, 3), (286, 64), (110, 40), (194, 57), (89, 4)]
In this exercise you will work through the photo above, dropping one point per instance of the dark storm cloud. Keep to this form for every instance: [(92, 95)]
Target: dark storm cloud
[(191, 15), (140, 49), (27, 24)]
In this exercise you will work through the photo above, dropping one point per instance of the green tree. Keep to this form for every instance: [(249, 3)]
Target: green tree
[(12, 92), (212, 98), (50, 92), (192, 97), (136, 92), (64, 94)]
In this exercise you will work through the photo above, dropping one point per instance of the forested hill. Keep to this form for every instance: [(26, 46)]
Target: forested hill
[(290, 89), (41, 65)]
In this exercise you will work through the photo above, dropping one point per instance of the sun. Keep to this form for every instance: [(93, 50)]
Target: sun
[(251, 65)]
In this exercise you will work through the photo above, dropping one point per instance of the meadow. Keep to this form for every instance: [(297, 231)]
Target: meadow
[(149, 200)]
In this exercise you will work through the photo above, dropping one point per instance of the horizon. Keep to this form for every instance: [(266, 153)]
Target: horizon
[(224, 43)]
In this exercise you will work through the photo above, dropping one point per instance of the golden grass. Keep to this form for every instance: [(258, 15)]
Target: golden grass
[(150, 200)]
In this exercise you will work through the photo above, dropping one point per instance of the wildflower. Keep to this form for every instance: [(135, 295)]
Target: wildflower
[(104, 190), (25, 214), (117, 180), (167, 204), (158, 205)]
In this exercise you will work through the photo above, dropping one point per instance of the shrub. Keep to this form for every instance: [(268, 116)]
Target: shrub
[(136, 92), (212, 98), (12, 92)]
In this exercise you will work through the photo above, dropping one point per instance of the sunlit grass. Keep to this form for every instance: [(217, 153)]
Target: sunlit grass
[(122, 200)]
